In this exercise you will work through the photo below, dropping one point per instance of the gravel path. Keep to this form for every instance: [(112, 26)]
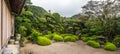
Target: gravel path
[(78, 47)]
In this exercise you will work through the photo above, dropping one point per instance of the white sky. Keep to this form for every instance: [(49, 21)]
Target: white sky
[(64, 7)]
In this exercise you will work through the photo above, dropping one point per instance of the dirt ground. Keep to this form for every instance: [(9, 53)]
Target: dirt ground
[(78, 47)]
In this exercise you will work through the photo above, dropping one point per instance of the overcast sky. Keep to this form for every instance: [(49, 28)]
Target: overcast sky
[(64, 7)]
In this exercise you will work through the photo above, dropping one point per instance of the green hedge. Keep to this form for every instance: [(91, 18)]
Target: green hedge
[(85, 39), (58, 38), (110, 46), (93, 44), (84, 35), (48, 36), (69, 39), (76, 37), (43, 41)]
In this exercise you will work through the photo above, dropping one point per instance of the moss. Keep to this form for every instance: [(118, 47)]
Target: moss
[(43, 41), (58, 38), (93, 44), (110, 46)]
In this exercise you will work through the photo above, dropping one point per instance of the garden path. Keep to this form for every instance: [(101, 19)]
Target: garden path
[(78, 47)]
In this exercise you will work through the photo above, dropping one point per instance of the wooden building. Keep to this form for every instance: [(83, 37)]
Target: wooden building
[(7, 10)]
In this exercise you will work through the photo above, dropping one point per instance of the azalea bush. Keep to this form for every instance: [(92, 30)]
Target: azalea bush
[(93, 44), (110, 46), (43, 41)]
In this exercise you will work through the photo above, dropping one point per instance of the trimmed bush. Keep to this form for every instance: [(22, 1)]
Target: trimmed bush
[(43, 41), (69, 39), (85, 35), (48, 36), (64, 35), (76, 37), (33, 36), (94, 37), (93, 44), (54, 34), (116, 41), (110, 46), (85, 39), (58, 38)]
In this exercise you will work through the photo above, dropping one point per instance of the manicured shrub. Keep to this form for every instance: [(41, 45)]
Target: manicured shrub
[(64, 35), (34, 35), (43, 41), (85, 39), (84, 30), (69, 39), (58, 38), (55, 34), (49, 32), (116, 41), (84, 35), (110, 46), (76, 37), (48, 36), (94, 37), (93, 44)]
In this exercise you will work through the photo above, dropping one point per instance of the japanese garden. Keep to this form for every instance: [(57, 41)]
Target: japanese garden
[(97, 27)]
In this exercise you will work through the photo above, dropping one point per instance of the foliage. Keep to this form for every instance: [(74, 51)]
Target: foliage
[(94, 37), (110, 46), (76, 37), (58, 38), (93, 44), (85, 39), (22, 30), (84, 35), (64, 35), (69, 39), (35, 21), (34, 35), (43, 41), (49, 36), (116, 40)]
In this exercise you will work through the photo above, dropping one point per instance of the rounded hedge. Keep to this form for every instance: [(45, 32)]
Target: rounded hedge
[(43, 41), (64, 35), (93, 44), (76, 37), (85, 35), (110, 46), (58, 38), (94, 37), (48, 36), (69, 39), (85, 39)]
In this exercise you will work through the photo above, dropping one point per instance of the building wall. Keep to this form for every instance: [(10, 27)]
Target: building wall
[(0, 24), (7, 24)]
